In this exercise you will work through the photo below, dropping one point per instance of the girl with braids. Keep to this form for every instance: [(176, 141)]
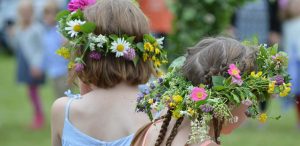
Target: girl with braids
[(210, 57), (103, 38)]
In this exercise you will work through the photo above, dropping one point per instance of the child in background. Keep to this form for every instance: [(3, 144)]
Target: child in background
[(291, 42), (29, 50), (109, 66), (56, 67)]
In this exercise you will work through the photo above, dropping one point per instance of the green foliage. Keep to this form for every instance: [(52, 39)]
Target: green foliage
[(195, 19)]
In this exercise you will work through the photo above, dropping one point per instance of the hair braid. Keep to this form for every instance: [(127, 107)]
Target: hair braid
[(164, 128), (174, 131)]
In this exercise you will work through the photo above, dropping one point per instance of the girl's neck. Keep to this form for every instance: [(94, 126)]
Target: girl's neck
[(121, 86)]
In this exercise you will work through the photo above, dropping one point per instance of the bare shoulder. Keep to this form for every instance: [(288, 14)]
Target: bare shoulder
[(58, 113)]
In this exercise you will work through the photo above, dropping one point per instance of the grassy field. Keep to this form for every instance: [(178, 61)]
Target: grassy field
[(15, 116)]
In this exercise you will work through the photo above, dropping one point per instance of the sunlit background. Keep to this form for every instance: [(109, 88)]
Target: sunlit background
[(183, 23)]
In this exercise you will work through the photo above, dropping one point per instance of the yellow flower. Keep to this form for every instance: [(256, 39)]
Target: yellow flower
[(257, 75), (157, 63), (172, 104), (150, 101), (71, 65), (148, 47), (289, 84), (176, 114), (153, 58), (271, 87), (160, 73), (191, 111), (263, 117), (64, 52), (285, 92), (157, 51), (177, 98), (145, 56), (166, 98)]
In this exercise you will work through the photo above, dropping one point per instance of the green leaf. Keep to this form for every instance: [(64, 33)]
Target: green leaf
[(201, 102), (177, 63), (114, 37), (62, 14), (130, 39), (135, 60), (140, 46), (87, 27), (235, 98), (149, 38), (274, 49), (218, 80), (218, 88)]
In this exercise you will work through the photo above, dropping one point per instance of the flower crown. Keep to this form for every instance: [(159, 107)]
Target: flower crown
[(203, 103), (73, 26)]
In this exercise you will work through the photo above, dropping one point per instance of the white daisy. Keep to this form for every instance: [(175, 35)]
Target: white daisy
[(160, 41), (74, 27), (120, 47)]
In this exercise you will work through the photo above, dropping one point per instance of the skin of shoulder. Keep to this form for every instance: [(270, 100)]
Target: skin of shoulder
[(57, 120)]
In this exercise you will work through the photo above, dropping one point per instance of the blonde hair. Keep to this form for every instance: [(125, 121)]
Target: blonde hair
[(115, 17), (50, 6)]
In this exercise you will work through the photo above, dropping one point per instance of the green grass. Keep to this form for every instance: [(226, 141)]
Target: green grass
[(16, 113)]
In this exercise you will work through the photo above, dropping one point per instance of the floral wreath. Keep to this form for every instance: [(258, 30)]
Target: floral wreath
[(79, 32), (205, 103)]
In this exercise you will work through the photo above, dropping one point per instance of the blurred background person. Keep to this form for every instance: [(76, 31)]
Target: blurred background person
[(291, 42), (159, 15), (56, 66), (29, 52), (258, 19)]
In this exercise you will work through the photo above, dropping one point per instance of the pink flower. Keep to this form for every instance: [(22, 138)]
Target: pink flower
[(234, 71), (79, 67), (198, 94), (79, 4), (129, 54)]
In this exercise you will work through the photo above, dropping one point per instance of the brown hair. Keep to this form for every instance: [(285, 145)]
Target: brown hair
[(115, 17), (210, 57)]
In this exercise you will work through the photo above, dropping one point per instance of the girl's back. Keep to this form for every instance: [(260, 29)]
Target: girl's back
[(110, 60)]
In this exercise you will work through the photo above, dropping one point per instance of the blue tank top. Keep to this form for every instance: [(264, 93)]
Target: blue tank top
[(71, 136)]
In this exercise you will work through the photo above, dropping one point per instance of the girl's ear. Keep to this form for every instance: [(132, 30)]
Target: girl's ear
[(84, 88)]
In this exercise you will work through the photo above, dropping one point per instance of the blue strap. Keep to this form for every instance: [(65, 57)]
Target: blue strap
[(68, 108)]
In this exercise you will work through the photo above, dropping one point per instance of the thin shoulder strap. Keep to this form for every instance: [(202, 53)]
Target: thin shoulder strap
[(68, 108)]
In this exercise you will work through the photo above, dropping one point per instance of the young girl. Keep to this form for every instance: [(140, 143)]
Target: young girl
[(214, 89), (55, 66), (291, 29), (29, 50), (111, 53)]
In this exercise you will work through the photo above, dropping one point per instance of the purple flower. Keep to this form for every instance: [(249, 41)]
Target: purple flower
[(206, 108), (140, 97), (279, 80), (152, 85), (79, 67), (95, 55), (129, 54), (79, 4), (160, 80)]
